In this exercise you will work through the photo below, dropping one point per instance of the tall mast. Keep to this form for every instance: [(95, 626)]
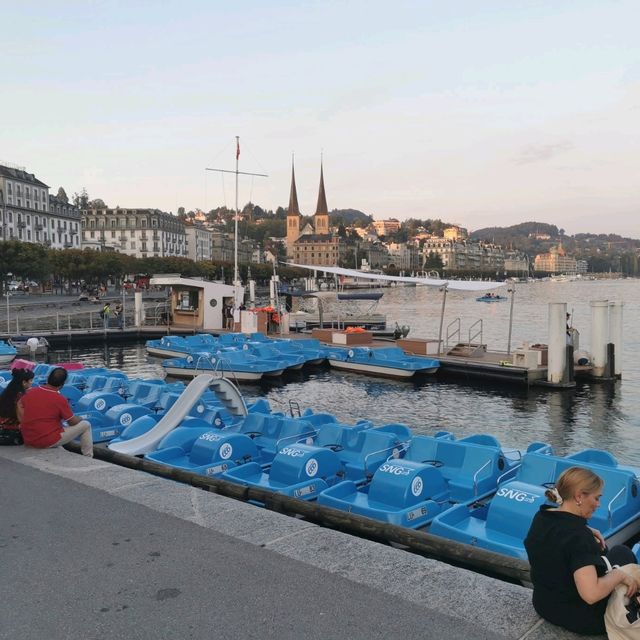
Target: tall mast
[(236, 273), (236, 278)]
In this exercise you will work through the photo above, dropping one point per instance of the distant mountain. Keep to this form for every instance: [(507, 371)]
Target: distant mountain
[(523, 230), (349, 216)]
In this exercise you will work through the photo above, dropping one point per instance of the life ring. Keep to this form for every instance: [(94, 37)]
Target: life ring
[(275, 318)]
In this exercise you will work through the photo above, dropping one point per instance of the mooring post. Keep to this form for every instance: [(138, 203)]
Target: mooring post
[(599, 336), (557, 356), (615, 336)]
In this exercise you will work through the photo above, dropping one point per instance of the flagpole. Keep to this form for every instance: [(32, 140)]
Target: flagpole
[(236, 273), (236, 279)]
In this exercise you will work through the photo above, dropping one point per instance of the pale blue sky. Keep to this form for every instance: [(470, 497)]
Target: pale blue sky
[(481, 112)]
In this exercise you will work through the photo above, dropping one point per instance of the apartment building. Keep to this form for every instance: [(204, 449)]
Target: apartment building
[(28, 212), (142, 233)]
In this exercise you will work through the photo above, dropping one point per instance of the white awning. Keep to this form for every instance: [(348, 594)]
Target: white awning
[(460, 285)]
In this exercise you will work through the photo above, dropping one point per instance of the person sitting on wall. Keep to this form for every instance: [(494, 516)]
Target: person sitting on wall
[(10, 410), (44, 409), (570, 564)]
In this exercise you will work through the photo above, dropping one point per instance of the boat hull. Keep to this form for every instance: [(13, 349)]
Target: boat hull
[(373, 370), (241, 376), (165, 353)]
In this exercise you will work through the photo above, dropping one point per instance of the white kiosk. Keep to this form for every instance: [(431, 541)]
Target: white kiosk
[(197, 304)]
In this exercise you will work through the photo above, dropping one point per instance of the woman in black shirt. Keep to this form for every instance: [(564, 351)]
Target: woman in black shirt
[(571, 585)]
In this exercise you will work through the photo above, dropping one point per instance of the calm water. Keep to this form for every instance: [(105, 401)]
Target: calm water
[(597, 415)]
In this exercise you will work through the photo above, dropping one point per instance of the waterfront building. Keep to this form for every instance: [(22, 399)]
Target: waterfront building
[(555, 261), (462, 255), (314, 245), (199, 242), (404, 256), (29, 214), (142, 233), (516, 263)]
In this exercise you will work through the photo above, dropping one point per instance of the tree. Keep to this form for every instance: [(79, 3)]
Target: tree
[(97, 203), (81, 200), (62, 195), (433, 262)]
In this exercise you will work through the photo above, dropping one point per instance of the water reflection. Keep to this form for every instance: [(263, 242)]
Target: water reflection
[(596, 415)]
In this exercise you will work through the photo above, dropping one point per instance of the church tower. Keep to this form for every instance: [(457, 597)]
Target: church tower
[(293, 215), (321, 217)]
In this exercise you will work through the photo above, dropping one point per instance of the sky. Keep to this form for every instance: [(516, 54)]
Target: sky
[(478, 112)]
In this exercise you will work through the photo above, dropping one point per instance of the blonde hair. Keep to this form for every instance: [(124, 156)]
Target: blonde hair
[(572, 481)]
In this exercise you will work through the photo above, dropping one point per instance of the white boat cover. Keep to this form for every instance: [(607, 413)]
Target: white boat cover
[(460, 285)]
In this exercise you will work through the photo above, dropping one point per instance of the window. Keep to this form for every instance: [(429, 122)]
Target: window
[(132, 244), (113, 234), (92, 234), (113, 224)]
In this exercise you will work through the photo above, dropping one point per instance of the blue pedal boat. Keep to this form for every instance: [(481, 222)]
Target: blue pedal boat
[(7, 353), (501, 523), (236, 364), (390, 362), (179, 346), (436, 473), (491, 297), (298, 470)]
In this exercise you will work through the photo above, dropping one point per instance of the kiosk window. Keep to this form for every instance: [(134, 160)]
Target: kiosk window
[(188, 301)]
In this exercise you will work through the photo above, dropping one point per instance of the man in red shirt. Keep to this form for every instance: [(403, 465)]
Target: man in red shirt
[(44, 409)]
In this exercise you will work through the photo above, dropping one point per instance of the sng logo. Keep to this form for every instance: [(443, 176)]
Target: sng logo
[(125, 419), (210, 437), (311, 468), (515, 494), (100, 404), (395, 469), (200, 408), (292, 451), (225, 451), (416, 486)]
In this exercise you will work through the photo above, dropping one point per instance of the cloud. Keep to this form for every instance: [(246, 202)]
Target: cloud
[(540, 153)]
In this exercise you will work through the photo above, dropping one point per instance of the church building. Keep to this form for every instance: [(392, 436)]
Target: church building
[(313, 245)]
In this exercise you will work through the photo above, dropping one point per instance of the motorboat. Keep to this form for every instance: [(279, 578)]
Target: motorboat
[(7, 353), (491, 297), (29, 345)]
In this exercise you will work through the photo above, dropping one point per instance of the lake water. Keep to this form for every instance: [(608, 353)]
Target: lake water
[(595, 415)]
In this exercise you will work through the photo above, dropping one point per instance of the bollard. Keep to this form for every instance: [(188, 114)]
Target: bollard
[(615, 336), (557, 358), (599, 336)]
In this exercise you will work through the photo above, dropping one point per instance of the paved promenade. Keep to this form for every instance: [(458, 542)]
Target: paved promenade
[(89, 550)]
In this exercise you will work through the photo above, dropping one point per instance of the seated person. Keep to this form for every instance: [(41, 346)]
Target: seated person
[(10, 412), (43, 411), (571, 580)]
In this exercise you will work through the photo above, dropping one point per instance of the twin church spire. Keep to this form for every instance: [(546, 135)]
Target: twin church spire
[(320, 218)]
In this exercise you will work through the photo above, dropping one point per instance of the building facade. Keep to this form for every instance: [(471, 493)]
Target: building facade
[(29, 214), (142, 233), (199, 242), (556, 261), (386, 227)]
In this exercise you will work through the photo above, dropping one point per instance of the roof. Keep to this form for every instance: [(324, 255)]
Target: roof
[(321, 209), (23, 176), (293, 210), (317, 237)]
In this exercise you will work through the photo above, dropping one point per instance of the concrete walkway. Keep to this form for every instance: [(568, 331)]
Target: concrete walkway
[(89, 550)]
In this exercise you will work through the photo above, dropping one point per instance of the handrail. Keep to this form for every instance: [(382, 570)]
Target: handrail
[(477, 333), (611, 503), (475, 476), (455, 321), (297, 435), (507, 472), (404, 446), (373, 453)]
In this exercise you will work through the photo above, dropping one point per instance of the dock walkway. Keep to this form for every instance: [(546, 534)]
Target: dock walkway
[(95, 551)]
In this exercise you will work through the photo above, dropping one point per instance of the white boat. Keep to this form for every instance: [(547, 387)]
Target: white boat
[(29, 345)]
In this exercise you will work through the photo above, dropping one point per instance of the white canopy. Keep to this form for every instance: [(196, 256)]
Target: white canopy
[(461, 285)]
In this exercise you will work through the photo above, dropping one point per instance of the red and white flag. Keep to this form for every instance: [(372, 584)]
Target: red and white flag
[(237, 149)]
